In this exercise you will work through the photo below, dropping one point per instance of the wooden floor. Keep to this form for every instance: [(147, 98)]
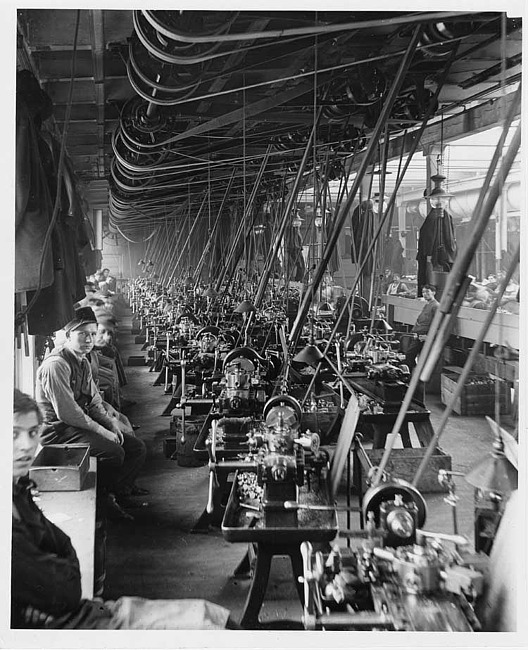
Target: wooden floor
[(157, 556)]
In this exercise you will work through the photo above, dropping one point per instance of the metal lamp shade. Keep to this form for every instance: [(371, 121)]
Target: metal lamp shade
[(310, 354), (244, 307), (494, 474)]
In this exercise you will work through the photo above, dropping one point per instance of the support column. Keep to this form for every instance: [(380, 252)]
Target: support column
[(98, 229)]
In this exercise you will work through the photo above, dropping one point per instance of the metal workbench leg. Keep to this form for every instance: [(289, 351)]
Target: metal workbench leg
[(424, 431), (297, 568), (381, 432), (257, 590), (404, 434), (245, 566)]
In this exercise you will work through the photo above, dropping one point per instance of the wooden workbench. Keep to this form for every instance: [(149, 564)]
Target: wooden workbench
[(468, 323), (74, 513)]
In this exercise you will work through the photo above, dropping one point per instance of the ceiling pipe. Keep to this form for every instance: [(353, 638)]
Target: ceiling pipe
[(318, 29)]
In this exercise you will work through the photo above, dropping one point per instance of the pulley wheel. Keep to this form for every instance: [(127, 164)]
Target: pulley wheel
[(375, 496)]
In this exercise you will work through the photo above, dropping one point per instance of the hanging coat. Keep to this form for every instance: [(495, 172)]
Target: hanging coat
[(437, 241), (54, 305), (393, 257), (363, 229), (32, 205), (295, 260), (333, 262)]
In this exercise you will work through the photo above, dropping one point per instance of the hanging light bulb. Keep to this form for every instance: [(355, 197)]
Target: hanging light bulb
[(297, 221), (438, 196), (377, 201), (318, 218)]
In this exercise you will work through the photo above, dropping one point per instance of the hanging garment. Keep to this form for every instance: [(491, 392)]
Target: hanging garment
[(333, 262), (363, 228), (393, 257), (54, 305), (33, 207), (437, 242), (295, 260)]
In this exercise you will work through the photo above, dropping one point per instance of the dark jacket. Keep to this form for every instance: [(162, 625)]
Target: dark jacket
[(45, 572)]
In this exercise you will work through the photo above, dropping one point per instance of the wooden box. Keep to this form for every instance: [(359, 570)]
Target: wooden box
[(136, 360), (403, 464), (476, 399), (60, 467)]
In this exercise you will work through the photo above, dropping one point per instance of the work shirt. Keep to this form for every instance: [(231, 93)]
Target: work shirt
[(397, 287), (424, 320), (67, 393)]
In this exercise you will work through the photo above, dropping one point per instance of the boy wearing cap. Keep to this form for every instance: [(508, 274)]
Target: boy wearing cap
[(74, 411)]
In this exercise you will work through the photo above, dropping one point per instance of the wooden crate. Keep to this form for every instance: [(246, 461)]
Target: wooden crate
[(403, 464), (476, 399)]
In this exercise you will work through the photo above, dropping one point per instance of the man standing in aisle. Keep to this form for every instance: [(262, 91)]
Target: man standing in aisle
[(74, 412), (422, 325)]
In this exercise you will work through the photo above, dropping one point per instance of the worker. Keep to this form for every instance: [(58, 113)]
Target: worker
[(422, 325), (109, 281), (45, 572), (74, 413), (397, 286)]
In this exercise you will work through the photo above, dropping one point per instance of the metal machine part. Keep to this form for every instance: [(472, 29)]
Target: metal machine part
[(394, 504), (242, 388), (421, 587)]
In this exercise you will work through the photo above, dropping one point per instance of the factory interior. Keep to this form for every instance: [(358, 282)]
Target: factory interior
[(266, 348)]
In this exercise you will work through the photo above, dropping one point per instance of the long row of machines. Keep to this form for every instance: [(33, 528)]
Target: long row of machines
[(276, 427)]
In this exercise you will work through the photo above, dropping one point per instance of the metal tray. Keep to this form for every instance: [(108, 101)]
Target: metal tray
[(61, 467), (415, 413), (316, 526)]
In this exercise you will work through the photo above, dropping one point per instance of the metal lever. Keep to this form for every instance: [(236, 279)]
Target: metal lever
[(183, 398), (293, 505), (458, 540), (211, 450)]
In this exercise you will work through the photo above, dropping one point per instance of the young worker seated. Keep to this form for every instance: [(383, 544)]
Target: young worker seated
[(75, 413), (45, 574)]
